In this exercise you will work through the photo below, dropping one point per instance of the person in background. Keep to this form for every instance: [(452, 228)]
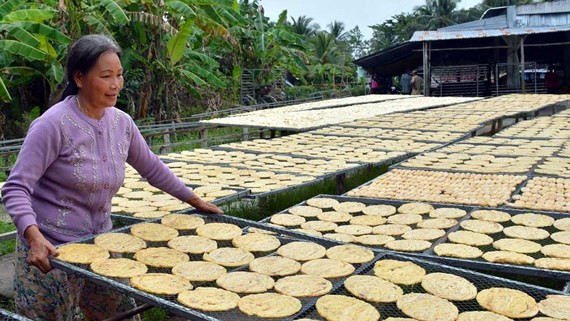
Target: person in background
[(406, 83), (374, 85), (416, 83), (70, 166), (551, 81)]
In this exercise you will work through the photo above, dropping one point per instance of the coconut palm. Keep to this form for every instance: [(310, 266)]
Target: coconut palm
[(337, 30), (304, 26), (437, 13)]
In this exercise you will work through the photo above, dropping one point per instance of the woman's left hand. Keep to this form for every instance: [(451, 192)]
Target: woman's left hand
[(204, 206)]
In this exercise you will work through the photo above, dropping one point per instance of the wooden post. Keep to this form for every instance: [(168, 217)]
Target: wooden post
[(7, 164), (245, 133), (203, 136), (523, 85), (426, 64), (340, 184), (166, 147)]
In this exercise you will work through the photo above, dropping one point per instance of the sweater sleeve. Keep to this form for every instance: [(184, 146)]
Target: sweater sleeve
[(153, 169), (40, 149)]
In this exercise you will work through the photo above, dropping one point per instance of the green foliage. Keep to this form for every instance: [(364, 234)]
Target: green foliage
[(28, 117), (29, 42), (300, 92), (7, 303), (155, 314), (358, 90), (8, 246), (430, 16), (437, 13), (260, 208)]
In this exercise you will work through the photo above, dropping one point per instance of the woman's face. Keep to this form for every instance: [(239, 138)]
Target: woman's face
[(101, 85)]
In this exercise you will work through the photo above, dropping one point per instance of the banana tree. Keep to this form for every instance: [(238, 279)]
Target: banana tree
[(330, 59), (31, 47), (266, 46), (165, 55)]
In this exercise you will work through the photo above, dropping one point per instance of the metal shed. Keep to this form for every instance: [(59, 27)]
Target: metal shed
[(507, 50)]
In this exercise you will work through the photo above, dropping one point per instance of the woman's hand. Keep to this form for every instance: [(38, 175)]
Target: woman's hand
[(203, 206), (40, 249)]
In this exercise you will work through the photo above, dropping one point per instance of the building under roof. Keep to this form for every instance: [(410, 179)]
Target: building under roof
[(486, 56)]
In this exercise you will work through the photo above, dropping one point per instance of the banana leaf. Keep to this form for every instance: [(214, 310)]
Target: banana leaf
[(20, 34), (8, 6), (184, 9), (177, 44), (4, 94), (115, 11), (44, 30), (35, 15), (24, 50)]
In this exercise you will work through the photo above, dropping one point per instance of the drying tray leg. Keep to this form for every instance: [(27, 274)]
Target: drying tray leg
[(133, 312)]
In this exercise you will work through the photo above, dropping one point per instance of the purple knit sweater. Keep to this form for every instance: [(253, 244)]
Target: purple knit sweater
[(69, 168)]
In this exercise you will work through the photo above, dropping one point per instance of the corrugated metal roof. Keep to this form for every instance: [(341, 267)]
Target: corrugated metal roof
[(559, 6), (543, 20), (497, 22), (488, 33)]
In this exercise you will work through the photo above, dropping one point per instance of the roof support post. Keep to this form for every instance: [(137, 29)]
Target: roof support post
[(427, 67), (513, 62), (523, 85)]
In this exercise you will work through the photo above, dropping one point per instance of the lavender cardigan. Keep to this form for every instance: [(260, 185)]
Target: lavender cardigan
[(69, 168)]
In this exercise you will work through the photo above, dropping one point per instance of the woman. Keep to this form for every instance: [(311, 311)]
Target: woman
[(71, 164)]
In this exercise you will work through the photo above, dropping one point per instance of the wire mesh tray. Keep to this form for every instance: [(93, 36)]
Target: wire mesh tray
[(367, 202), (520, 193), (482, 264), (527, 172), (308, 304), (298, 152), (459, 136), (126, 212), (170, 302), (472, 130), (479, 280), (6, 315), (124, 220), (239, 193), (374, 181), (285, 189), (288, 170)]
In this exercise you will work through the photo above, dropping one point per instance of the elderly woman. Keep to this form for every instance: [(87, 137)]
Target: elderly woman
[(71, 164)]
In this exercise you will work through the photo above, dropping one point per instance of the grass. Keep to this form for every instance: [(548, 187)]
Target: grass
[(7, 303), (8, 246), (155, 314), (182, 141), (262, 207)]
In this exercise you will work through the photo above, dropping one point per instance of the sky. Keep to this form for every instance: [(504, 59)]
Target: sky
[(361, 13)]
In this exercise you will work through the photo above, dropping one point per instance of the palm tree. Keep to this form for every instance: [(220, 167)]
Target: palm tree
[(437, 13), (328, 58), (164, 53), (336, 29), (304, 26)]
